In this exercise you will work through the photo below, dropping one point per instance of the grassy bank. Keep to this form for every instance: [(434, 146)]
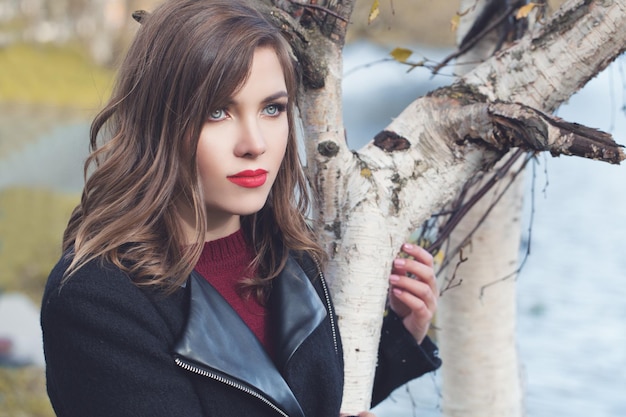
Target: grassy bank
[(23, 393), (41, 87), (62, 76), (31, 225)]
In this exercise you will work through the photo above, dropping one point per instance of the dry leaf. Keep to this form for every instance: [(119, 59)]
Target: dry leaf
[(401, 54), (374, 12), (454, 23), (525, 10)]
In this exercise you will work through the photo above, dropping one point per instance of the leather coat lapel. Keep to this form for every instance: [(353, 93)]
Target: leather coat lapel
[(217, 338), (296, 310)]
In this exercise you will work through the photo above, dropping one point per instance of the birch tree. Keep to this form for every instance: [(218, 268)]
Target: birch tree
[(370, 200), (476, 379)]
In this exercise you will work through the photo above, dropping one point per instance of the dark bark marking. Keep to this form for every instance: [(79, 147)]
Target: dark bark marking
[(303, 43), (335, 227), (460, 91), (140, 16), (328, 149), (390, 141), (395, 192)]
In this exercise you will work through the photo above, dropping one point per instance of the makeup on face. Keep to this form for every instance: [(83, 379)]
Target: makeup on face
[(242, 145), (249, 178)]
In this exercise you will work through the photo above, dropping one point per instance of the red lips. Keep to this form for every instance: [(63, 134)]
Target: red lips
[(249, 178)]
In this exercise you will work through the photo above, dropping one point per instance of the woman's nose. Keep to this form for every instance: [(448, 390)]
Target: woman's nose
[(251, 142)]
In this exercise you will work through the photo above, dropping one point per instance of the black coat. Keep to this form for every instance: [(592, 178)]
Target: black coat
[(115, 349)]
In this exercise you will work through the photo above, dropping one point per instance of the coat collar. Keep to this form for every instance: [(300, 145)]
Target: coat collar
[(216, 337)]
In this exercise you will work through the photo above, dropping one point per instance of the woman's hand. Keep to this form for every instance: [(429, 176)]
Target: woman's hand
[(413, 290), (361, 414)]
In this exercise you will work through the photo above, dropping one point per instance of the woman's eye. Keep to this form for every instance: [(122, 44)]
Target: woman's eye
[(217, 114), (274, 109)]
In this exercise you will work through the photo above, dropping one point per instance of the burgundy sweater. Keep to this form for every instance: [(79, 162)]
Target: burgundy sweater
[(223, 263)]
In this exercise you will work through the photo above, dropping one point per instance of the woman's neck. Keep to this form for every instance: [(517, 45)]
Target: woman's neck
[(219, 229), (217, 226)]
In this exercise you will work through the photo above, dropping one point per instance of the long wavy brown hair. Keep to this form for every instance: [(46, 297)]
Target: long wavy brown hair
[(188, 58)]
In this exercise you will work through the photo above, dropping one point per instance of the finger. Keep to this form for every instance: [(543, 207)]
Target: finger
[(410, 292), (418, 253), (404, 266), (418, 306), (418, 320), (417, 270)]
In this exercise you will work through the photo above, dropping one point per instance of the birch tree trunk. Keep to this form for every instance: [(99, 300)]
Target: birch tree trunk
[(369, 201), (476, 319), (478, 380)]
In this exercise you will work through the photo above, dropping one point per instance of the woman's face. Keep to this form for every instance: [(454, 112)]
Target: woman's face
[(241, 146)]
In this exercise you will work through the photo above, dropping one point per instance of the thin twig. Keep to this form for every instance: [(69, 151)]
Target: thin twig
[(530, 231), (472, 42), (321, 8), (451, 282), (465, 208), (483, 190)]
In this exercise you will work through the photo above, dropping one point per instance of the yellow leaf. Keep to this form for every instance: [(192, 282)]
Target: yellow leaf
[(454, 23), (374, 12), (525, 10), (401, 54)]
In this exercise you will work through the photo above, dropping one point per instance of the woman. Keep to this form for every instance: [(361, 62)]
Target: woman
[(190, 284)]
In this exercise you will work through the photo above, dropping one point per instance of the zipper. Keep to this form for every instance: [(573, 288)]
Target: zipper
[(219, 378), (331, 312)]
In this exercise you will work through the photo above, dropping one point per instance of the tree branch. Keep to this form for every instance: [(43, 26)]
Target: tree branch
[(449, 135), (329, 17), (522, 126), (480, 30), (321, 8), (458, 215), (546, 67)]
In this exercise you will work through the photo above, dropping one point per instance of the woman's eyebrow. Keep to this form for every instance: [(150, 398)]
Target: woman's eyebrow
[(268, 99), (275, 96)]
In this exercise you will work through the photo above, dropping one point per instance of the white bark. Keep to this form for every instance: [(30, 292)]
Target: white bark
[(476, 321), (363, 229), (544, 70), (477, 338)]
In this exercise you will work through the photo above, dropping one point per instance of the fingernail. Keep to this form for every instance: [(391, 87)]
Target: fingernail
[(397, 291), (408, 246), (399, 262), (394, 278)]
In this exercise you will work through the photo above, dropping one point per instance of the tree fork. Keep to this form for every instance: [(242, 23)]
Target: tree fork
[(375, 213)]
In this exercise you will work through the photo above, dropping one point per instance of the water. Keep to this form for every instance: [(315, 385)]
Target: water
[(19, 324), (53, 161), (571, 292)]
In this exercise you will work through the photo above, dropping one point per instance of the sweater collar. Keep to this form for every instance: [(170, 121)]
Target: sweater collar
[(216, 339), (225, 254)]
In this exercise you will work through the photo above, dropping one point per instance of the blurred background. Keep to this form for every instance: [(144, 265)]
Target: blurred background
[(57, 62)]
